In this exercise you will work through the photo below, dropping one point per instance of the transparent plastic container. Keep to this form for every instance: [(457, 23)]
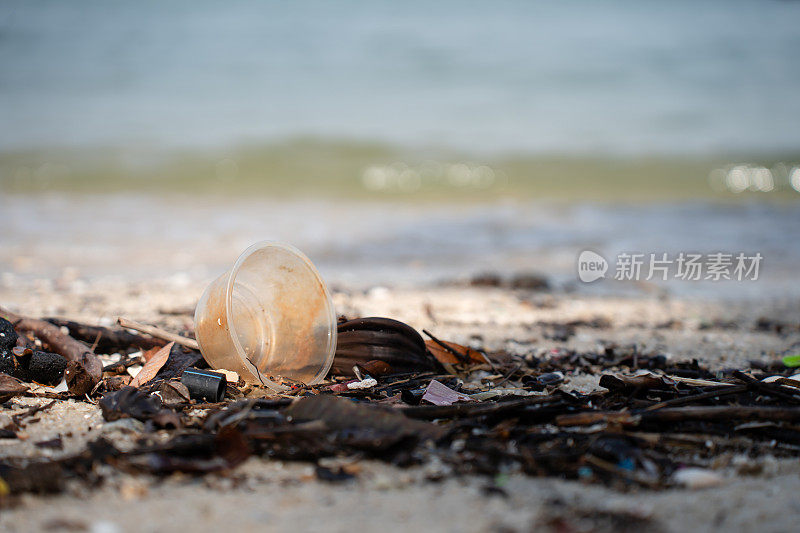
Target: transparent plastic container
[(269, 315)]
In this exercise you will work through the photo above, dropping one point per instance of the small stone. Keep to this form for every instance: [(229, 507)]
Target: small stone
[(133, 489), (697, 478), (125, 425)]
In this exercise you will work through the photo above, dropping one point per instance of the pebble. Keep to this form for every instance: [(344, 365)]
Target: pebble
[(697, 478), (128, 425)]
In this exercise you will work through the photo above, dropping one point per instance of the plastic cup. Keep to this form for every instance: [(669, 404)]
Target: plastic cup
[(269, 315)]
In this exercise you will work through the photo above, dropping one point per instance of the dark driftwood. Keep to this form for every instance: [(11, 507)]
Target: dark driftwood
[(716, 393), (457, 410), (682, 414), (84, 369), (106, 339), (773, 389), (724, 412)]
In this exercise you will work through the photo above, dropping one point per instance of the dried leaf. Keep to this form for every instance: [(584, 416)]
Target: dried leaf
[(129, 403), (10, 387), (148, 354), (447, 357), (152, 366), (173, 392)]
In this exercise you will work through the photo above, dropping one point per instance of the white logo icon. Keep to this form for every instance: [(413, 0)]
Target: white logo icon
[(591, 266)]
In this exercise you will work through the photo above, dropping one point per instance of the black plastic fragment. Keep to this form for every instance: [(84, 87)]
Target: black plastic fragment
[(412, 396), (539, 383), (205, 385)]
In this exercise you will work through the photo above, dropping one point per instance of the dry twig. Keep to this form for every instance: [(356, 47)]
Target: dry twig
[(158, 333)]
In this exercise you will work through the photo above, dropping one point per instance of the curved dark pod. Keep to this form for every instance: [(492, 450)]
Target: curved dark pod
[(377, 338)]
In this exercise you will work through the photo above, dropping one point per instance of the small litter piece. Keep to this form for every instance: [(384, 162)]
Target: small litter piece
[(439, 394), (367, 383), (496, 393), (230, 375), (540, 382), (205, 385)]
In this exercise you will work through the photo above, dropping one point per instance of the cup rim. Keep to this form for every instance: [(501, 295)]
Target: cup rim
[(331, 309)]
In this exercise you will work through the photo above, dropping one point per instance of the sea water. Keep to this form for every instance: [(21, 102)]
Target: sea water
[(680, 77)]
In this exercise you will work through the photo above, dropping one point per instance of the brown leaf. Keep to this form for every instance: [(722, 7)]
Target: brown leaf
[(10, 387), (445, 356), (152, 366), (173, 392), (148, 354)]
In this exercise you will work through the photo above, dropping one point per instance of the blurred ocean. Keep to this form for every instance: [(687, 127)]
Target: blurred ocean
[(304, 109), (574, 77)]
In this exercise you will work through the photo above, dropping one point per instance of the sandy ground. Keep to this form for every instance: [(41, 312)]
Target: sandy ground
[(757, 493)]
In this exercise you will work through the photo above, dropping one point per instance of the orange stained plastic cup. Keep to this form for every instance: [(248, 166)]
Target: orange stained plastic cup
[(269, 315)]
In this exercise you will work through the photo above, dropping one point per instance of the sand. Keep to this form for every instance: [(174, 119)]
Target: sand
[(756, 493)]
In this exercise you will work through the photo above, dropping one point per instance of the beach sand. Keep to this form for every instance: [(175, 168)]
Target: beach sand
[(262, 494)]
